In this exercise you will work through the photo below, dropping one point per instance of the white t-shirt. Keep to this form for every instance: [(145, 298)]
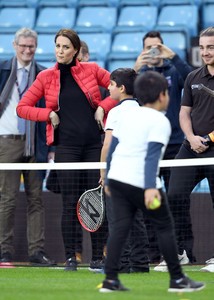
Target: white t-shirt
[(114, 113), (135, 129)]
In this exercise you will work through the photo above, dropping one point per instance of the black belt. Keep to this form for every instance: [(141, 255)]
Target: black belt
[(13, 137)]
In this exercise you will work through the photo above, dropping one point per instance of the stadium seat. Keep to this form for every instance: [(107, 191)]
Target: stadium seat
[(136, 18), (126, 45), (47, 64), (57, 3), (45, 48), (179, 18), (179, 2), (51, 19), (96, 19), (177, 42), (202, 187), (6, 46), (18, 3), (100, 63), (120, 63), (207, 15), (82, 3), (138, 2), (99, 44), (12, 19)]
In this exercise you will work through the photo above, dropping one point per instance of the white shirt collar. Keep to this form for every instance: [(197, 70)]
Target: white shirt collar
[(19, 66)]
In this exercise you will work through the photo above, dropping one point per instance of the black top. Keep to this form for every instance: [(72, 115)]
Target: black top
[(77, 124), (202, 114)]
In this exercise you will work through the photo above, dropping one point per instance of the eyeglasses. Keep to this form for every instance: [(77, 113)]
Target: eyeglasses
[(30, 47)]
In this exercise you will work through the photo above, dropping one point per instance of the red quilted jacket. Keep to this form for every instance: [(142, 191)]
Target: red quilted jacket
[(89, 77)]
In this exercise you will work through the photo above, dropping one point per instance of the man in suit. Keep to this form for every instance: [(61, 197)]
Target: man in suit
[(21, 142)]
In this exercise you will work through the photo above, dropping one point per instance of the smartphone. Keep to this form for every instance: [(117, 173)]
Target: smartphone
[(154, 52)]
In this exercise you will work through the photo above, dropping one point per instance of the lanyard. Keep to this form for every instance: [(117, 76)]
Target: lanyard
[(18, 88)]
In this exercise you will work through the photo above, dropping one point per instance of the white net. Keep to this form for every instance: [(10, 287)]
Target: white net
[(196, 236)]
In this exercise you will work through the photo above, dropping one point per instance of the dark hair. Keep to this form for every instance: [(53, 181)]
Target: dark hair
[(207, 32), (72, 36), (84, 48), (126, 77), (149, 85), (152, 34)]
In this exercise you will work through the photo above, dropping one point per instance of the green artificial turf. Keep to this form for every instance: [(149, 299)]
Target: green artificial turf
[(23, 283)]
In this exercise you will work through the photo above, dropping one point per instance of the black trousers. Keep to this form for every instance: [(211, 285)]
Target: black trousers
[(182, 182), (126, 200), (135, 251), (72, 184)]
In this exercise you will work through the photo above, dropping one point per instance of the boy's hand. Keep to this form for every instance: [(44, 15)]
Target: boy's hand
[(149, 196)]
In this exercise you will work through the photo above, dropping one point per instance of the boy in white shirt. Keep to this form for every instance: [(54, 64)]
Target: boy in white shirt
[(138, 144), (135, 256)]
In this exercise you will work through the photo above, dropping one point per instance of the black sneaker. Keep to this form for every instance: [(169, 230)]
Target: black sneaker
[(185, 285), (96, 266), (40, 259), (71, 264), (6, 257), (112, 286)]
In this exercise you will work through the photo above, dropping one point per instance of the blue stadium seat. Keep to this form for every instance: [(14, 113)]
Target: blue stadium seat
[(120, 63), (179, 18), (6, 46), (51, 19), (101, 63), (58, 3), (47, 63), (137, 18), (126, 45), (177, 42), (179, 2), (202, 187), (99, 44), (138, 2), (12, 19), (82, 3), (96, 19), (45, 48), (18, 3), (207, 19)]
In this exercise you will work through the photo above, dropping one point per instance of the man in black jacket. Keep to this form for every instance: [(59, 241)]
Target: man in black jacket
[(158, 57), (20, 142)]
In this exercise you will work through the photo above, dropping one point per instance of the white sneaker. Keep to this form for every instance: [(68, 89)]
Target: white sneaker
[(162, 267), (183, 258), (209, 267)]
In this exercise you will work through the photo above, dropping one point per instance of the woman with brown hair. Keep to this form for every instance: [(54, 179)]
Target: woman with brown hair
[(74, 114)]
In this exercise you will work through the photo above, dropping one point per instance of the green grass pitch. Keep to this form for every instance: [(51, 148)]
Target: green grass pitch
[(28, 283)]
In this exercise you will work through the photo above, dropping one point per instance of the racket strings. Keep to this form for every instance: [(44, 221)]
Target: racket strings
[(91, 209)]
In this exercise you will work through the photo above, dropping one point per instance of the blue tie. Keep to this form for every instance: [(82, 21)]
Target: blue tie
[(22, 89)]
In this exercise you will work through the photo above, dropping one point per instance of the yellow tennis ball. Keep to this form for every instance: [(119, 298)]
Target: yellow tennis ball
[(155, 204)]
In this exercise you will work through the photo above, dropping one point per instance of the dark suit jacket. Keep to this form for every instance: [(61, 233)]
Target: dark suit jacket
[(41, 149)]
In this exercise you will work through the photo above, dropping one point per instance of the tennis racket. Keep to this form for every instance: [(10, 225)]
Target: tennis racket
[(91, 209)]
